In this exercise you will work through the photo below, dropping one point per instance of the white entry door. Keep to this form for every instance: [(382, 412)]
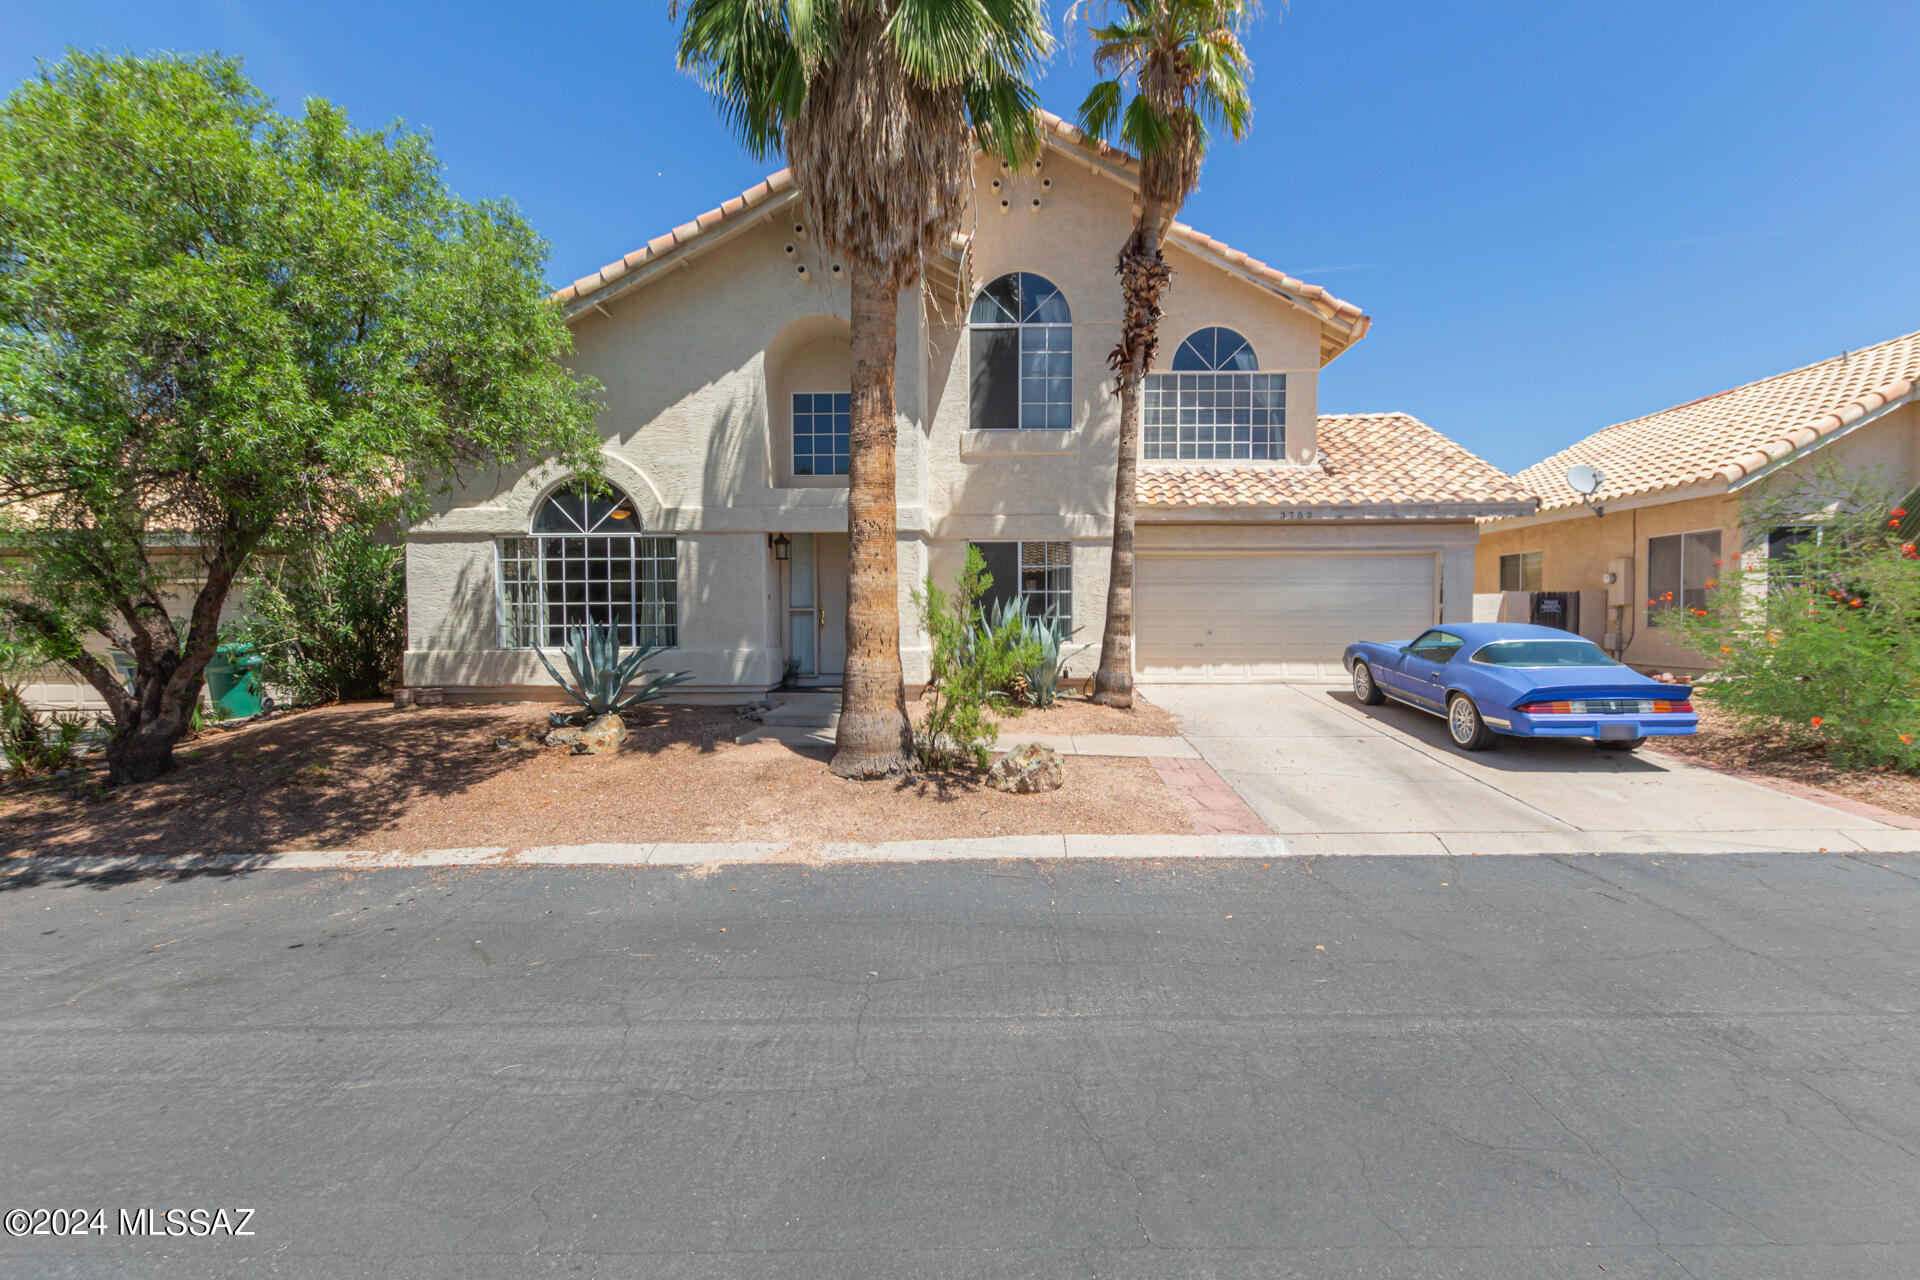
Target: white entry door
[(1272, 617)]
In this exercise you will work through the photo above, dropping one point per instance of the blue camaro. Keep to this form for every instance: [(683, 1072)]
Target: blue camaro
[(1490, 678)]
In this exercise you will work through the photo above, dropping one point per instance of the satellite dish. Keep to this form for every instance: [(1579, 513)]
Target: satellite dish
[(1584, 480)]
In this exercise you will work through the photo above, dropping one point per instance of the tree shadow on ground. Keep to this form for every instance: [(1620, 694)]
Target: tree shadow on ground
[(322, 778)]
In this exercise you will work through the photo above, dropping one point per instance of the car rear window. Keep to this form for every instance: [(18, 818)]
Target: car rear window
[(1543, 653)]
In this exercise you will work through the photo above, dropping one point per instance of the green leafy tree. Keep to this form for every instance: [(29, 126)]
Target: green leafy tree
[(331, 620), (871, 101), (1173, 69), (1821, 640), (224, 330)]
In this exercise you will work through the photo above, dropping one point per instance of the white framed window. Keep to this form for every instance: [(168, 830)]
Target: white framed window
[(1215, 405), (1682, 569), (822, 430), (587, 560), (1523, 571), (1020, 362), (1039, 573)]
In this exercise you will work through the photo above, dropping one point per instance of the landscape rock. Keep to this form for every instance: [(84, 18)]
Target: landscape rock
[(1026, 769), (603, 734)]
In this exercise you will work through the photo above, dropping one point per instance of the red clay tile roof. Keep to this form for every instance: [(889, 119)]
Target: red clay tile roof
[(1352, 321), (1365, 460), (1729, 436)]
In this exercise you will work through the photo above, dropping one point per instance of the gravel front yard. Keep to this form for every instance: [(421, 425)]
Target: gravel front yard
[(364, 776), (1718, 742)]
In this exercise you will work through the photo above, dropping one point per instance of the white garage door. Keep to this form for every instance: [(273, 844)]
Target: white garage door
[(1272, 617)]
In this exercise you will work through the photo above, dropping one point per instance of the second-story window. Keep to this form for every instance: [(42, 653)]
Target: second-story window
[(822, 425), (1020, 333), (1216, 405)]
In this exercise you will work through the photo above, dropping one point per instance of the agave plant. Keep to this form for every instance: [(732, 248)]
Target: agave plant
[(601, 676), (1049, 662)]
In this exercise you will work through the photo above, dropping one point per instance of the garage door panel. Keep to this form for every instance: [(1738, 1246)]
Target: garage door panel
[(1273, 617)]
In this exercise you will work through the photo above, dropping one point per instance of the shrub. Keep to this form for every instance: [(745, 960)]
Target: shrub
[(602, 680), (1824, 642), (1049, 662), (331, 621), (976, 655), (30, 742)]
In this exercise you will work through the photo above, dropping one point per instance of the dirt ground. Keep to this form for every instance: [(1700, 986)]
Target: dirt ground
[(1074, 714), (365, 776), (1719, 742)]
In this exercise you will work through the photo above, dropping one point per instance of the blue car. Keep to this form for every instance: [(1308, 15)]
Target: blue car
[(1490, 678)]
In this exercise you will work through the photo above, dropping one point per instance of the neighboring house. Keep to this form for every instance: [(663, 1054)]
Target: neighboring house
[(1674, 483), (1269, 536)]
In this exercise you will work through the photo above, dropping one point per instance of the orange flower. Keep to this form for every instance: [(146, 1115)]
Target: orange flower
[(1899, 511), (1724, 649), (1907, 738), (1815, 722), (1853, 604)]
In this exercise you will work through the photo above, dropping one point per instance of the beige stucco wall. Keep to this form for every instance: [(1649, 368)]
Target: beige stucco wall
[(699, 361), (1577, 548)]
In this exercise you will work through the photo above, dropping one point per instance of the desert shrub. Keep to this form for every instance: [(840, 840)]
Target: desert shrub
[(331, 621), (1822, 642), (31, 742), (976, 656)]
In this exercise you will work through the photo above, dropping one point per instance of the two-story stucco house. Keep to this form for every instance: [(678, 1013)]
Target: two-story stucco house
[(1269, 535)]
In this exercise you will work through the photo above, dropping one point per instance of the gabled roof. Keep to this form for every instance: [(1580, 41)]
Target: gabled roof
[(1342, 323), (1725, 438), (1366, 460)]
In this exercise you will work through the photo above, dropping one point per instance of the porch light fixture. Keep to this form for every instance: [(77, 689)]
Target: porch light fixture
[(782, 547), (1586, 481)]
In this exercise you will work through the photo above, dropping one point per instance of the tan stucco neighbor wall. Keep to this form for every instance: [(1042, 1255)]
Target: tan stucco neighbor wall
[(699, 360), (1578, 547)]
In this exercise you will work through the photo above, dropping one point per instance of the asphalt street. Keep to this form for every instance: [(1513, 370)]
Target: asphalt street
[(1490, 1067)]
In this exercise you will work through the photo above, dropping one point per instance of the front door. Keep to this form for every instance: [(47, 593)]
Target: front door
[(817, 607)]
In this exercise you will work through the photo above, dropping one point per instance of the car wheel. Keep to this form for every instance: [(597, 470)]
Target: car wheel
[(1464, 725), (1365, 687), (1618, 744)]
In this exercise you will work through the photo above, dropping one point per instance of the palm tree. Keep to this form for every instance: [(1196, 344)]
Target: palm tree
[(1188, 71), (871, 100)]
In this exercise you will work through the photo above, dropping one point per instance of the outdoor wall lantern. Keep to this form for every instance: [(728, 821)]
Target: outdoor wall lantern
[(782, 547)]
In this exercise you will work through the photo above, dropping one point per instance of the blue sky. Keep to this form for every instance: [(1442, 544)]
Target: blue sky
[(1559, 215)]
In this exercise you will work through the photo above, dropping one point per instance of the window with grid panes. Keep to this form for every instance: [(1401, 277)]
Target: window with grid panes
[(822, 425), (1020, 335), (1040, 573), (1215, 405), (586, 560)]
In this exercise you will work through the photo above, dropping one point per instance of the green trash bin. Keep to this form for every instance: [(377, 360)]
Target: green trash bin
[(233, 680)]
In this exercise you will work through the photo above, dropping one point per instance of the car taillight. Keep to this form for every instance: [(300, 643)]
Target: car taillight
[(1606, 707), (1545, 708), (1680, 707)]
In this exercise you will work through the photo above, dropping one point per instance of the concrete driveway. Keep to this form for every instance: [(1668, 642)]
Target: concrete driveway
[(1333, 776)]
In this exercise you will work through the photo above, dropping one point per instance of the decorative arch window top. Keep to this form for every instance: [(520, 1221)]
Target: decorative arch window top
[(1215, 406), (1021, 342), (1215, 349), (576, 509)]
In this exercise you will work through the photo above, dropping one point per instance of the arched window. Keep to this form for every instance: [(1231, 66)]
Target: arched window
[(587, 560), (1216, 405), (1021, 337), (1213, 349)]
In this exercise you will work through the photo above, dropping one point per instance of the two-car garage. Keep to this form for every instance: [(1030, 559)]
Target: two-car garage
[(1270, 615)]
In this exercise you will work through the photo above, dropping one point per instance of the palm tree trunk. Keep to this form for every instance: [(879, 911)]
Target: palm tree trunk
[(1143, 279), (874, 739), (1113, 681)]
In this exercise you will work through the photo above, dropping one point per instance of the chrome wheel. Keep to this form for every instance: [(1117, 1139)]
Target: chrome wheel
[(1464, 725), (1364, 687)]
